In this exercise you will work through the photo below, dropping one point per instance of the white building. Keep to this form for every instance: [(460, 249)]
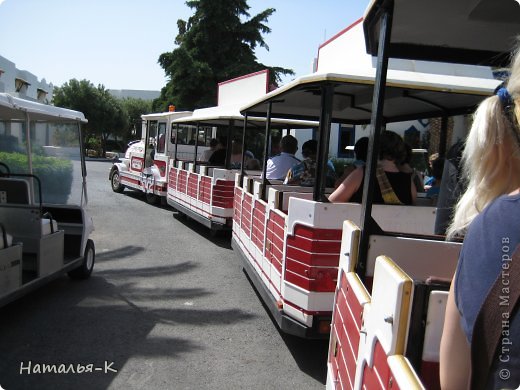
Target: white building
[(345, 53), (22, 83)]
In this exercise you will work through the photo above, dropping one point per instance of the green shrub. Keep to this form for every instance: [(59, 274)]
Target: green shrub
[(54, 173)]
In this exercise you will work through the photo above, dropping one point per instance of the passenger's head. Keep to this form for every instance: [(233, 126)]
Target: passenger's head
[(432, 158), (222, 142), (310, 148), (392, 147), (437, 168), (361, 149), (289, 144), (491, 158), (236, 147), (213, 143)]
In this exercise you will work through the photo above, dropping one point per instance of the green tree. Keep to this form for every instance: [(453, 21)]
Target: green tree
[(216, 44), (134, 109), (106, 116)]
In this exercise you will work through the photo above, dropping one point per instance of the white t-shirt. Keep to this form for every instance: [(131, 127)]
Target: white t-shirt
[(279, 165)]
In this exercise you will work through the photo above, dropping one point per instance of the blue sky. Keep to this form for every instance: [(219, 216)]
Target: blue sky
[(117, 42)]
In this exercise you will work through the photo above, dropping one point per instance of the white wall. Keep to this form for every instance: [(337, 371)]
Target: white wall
[(11, 73)]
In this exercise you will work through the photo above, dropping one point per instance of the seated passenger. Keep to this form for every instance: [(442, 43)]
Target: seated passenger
[(219, 156), (360, 150), (407, 168), (398, 186), (236, 155), (213, 144), (279, 165), (304, 173), (437, 168), (429, 180)]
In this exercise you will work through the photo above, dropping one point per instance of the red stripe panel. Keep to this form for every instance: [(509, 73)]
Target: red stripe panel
[(275, 240), (320, 245), (193, 181), (182, 180), (334, 358), (246, 213), (317, 234), (351, 314), (310, 278), (222, 202), (309, 258), (172, 178), (258, 225), (205, 189), (346, 323), (237, 204), (430, 375), (278, 219), (379, 375)]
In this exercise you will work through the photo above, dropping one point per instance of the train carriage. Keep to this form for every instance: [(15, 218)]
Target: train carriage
[(205, 192), (474, 33), (143, 168), (290, 237)]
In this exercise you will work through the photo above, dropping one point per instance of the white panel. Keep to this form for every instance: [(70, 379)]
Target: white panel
[(346, 53), (311, 301), (405, 219), (224, 174), (386, 317), (349, 246), (241, 89), (321, 215), (419, 258), (298, 315), (434, 325)]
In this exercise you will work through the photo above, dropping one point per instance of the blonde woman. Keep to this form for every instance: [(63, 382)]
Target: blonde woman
[(488, 216)]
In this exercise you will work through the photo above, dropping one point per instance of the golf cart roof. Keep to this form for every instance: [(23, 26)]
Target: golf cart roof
[(14, 108)]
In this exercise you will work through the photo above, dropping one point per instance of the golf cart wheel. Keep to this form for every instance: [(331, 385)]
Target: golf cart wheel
[(115, 181), (86, 267)]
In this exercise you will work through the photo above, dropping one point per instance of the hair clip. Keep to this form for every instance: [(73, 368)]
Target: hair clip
[(505, 97)]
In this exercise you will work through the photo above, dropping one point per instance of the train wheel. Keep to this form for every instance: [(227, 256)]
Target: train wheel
[(86, 267), (116, 182), (151, 198)]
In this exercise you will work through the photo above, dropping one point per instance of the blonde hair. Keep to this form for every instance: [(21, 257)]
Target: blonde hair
[(491, 158)]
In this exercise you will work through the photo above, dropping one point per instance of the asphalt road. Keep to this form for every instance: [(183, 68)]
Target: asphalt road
[(167, 307)]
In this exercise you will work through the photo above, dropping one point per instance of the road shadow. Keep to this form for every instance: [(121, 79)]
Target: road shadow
[(309, 355), (96, 322), (220, 238), (119, 253)]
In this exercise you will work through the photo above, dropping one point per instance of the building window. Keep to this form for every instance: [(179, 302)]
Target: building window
[(41, 95), (21, 85), (346, 137)]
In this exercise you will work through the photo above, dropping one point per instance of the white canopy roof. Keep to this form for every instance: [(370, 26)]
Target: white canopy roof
[(14, 108), (225, 115), (463, 31), (409, 95), (168, 114)]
